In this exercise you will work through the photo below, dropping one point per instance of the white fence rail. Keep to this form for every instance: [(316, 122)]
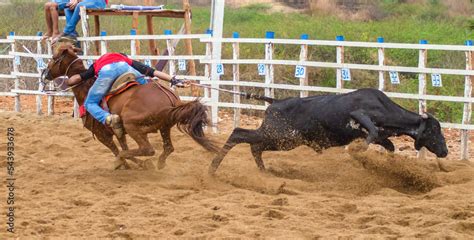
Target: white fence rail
[(265, 67)]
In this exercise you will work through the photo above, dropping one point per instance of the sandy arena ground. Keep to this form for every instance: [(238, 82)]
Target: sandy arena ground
[(67, 190)]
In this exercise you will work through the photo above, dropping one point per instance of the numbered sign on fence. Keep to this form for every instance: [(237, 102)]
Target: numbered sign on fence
[(182, 65), (436, 80), (41, 64), (89, 62), (220, 69), (394, 79), (346, 74), (17, 60), (300, 71), (148, 62), (261, 69)]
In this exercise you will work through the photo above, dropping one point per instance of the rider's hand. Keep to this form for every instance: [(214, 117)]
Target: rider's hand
[(72, 4), (179, 83)]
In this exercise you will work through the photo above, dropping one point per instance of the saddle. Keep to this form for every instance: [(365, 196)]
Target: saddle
[(123, 83)]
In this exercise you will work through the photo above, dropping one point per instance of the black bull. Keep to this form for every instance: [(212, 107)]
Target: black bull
[(326, 121)]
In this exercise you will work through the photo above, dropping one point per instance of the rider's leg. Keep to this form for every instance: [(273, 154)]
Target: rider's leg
[(105, 79), (139, 77)]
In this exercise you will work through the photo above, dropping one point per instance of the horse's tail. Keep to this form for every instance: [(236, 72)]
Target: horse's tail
[(190, 118)]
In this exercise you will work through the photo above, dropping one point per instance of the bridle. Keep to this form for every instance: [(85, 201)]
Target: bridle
[(64, 76)]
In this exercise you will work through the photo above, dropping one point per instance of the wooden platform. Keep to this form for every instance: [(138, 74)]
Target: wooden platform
[(155, 13)]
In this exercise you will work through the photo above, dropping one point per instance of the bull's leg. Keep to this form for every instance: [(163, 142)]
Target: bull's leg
[(144, 146), (239, 135), (123, 144), (366, 123), (257, 151), (167, 147), (387, 144)]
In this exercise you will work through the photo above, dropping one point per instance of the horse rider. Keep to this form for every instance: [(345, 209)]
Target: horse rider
[(107, 69)]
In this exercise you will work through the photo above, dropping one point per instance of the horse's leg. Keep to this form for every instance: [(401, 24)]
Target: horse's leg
[(144, 146), (167, 147), (108, 141), (123, 144)]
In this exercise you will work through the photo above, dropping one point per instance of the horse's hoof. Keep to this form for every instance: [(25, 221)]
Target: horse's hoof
[(148, 165), (117, 164), (161, 165)]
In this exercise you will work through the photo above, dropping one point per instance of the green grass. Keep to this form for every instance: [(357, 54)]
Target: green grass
[(402, 23)]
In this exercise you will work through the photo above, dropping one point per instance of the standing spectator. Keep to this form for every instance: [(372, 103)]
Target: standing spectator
[(72, 15), (51, 14)]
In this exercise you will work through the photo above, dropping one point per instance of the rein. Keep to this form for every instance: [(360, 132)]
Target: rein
[(64, 76)]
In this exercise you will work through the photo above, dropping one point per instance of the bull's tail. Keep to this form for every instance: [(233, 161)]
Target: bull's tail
[(190, 118), (259, 97)]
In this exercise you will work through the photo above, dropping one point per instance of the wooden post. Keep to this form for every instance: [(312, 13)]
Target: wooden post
[(422, 60), (236, 78), (303, 58), (467, 113), (97, 33), (339, 59), (85, 25), (135, 26), (269, 92), (381, 53), (39, 50), (152, 45), (15, 70), (50, 98), (188, 44)]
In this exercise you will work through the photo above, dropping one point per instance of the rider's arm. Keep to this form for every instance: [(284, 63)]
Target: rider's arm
[(149, 71), (90, 73)]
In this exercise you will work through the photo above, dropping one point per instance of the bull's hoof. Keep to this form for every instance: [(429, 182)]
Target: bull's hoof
[(148, 165), (161, 165)]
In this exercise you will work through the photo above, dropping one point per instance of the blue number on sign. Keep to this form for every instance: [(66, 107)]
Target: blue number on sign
[(182, 65), (220, 69), (436, 80), (300, 71), (261, 69), (394, 79), (89, 62), (346, 74), (17, 60), (148, 62)]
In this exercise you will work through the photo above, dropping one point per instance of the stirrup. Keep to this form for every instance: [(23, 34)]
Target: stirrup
[(114, 122)]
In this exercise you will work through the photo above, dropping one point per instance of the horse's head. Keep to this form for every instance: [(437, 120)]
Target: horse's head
[(64, 56), (430, 136)]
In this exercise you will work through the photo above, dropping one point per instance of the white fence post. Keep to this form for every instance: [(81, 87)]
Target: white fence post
[(39, 50), (170, 47), (103, 43), (133, 47), (16, 63), (217, 30), (466, 117), (381, 54), (236, 78), (207, 67), (339, 59), (422, 60), (50, 98), (269, 73), (85, 25), (303, 58)]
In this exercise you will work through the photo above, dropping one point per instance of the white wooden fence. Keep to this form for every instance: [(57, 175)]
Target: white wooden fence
[(266, 68)]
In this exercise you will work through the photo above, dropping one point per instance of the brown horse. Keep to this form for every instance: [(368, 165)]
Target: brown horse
[(143, 109)]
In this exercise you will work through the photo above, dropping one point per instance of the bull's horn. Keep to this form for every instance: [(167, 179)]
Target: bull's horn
[(424, 116)]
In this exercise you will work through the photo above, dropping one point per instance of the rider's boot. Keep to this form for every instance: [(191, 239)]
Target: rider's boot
[(114, 122)]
